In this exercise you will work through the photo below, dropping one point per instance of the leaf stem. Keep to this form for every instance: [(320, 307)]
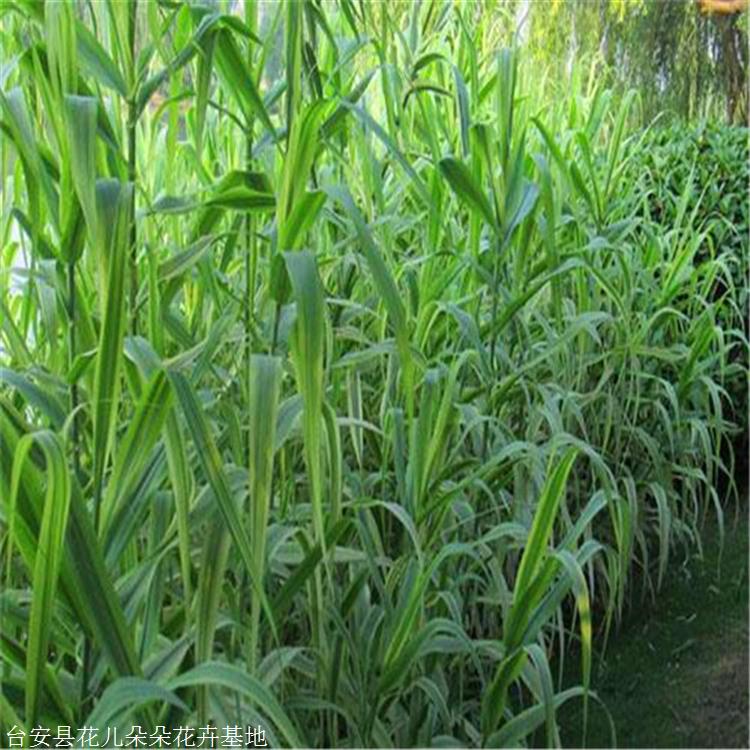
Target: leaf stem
[(131, 127)]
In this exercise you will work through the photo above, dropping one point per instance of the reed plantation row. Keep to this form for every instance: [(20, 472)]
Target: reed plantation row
[(356, 375)]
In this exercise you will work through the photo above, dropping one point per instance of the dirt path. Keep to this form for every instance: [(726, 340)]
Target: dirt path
[(718, 718), (676, 674)]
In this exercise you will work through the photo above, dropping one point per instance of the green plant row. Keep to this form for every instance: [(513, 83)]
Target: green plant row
[(348, 382)]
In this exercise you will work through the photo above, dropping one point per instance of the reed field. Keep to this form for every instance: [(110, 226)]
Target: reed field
[(357, 371)]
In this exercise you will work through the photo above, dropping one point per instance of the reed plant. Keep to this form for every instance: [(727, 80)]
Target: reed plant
[(346, 384)]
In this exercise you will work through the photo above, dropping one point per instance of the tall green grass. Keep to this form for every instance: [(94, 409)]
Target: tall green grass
[(342, 372)]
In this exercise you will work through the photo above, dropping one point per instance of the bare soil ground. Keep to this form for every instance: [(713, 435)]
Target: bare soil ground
[(718, 717)]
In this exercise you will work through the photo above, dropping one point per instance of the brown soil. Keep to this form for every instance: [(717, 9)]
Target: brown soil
[(719, 715)]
